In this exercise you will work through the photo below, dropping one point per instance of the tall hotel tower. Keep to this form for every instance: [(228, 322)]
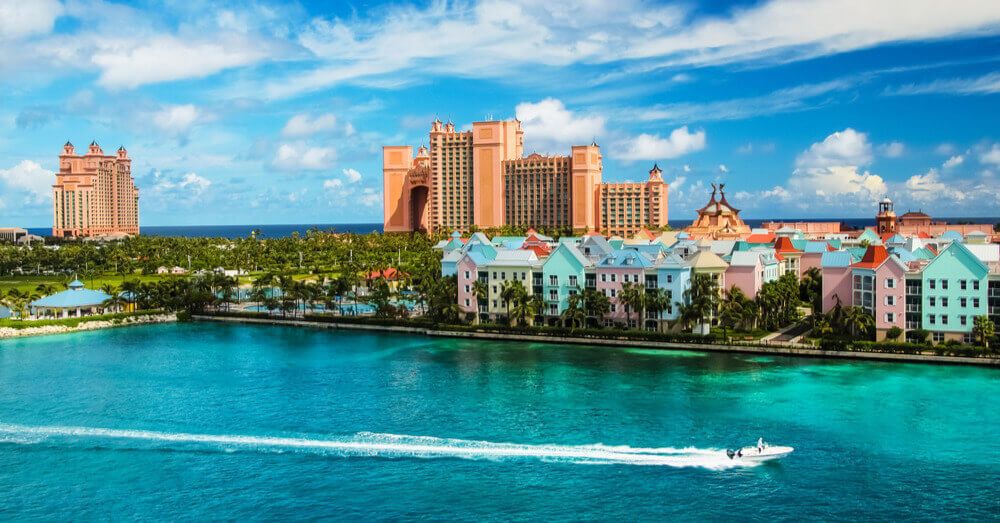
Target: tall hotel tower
[(480, 177), (94, 194)]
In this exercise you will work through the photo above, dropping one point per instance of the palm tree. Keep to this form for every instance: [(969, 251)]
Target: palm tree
[(527, 307), (510, 292), (480, 291), (633, 297), (701, 300), (596, 304), (983, 328), (574, 312), (858, 321), (114, 302)]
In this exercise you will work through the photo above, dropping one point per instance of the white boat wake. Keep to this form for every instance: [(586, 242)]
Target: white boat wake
[(370, 445)]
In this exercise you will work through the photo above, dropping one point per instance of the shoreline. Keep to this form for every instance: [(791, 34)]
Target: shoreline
[(149, 319), (660, 345)]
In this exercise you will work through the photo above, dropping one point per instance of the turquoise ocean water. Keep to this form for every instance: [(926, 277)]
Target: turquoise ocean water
[(212, 421)]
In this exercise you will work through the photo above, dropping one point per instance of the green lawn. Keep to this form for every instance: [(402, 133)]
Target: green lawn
[(30, 283)]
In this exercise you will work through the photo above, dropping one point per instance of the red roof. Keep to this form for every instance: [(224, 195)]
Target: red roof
[(784, 244), (539, 251), (874, 256), (592, 232), (923, 235), (829, 247), (778, 256), (761, 238), (531, 231)]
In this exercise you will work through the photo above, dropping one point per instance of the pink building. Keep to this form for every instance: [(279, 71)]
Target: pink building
[(878, 285), (750, 270), (94, 194), (836, 267), (616, 269)]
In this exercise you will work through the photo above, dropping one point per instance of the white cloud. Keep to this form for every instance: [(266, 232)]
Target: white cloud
[(31, 178), (299, 156), (929, 188), (723, 168), (954, 161), (304, 125), (787, 30), (549, 123), (991, 156), (837, 181), (892, 150), (332, 184), (352, 175), (177, 119), (652, 147), (945, 149), (687, 168), (986, 84), (22, 18), (370, 197), (195, 183), (131, 63), (843, 148)]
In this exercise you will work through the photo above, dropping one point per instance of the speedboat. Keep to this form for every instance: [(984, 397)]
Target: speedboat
[(761, 452)]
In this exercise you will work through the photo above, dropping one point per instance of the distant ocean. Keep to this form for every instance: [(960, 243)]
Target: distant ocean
[(282, 230)]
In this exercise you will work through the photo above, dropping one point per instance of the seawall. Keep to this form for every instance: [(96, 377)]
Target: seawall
[(9, 332), (777, 350)]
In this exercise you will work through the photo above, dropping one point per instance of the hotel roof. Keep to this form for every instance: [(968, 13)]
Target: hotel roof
[(75, 296), (626, 258)]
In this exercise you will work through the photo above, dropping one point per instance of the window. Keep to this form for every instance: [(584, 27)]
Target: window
[(494, 304), (930, 283), (944, 319), (931, 301), (944, 302), (466, 275), (889, 317), (553, 295), (937, 337), (890, 300), (670, 278), (466, 302), (962, 302), (975, 302), (962, 319), (553, 280), (944, 284), (604, 277), (572, 281), (468, 289), (613, 293), (890, 283), (931, 319), (494, 275), (503, 275), (961, 285), (975, 285), (614, 307), (612, 277), (524, 276)]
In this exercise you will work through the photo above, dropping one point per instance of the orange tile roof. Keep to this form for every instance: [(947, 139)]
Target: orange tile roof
[(761, 238), (874, 256), (784, 244)]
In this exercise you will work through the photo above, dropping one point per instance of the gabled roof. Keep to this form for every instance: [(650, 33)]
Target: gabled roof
[(761, 238), (745, 259), (874, 256), (671, 261), (517, 257), (870, 235), (924, 253), (626, 259), (952, 235), (896, 238), (904, 255), (570, 251), (706, 259), (836, 259), (784, 245), (959, 250), (815, 247)]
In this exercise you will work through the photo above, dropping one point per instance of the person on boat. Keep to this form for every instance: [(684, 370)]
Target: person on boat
[(760, 445)]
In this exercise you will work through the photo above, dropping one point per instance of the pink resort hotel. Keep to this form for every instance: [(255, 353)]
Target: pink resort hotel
[(94, 194), (482, 177)]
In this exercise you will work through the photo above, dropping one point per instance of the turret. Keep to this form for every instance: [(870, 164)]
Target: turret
[(654, 174), (122, 153), (68, 149), (95, 149), (436, 126)]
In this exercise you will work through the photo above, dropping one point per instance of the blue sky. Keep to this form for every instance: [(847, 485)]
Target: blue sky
[(274, 112)]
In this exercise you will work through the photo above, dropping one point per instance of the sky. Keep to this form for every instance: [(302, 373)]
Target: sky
[(259, 112)]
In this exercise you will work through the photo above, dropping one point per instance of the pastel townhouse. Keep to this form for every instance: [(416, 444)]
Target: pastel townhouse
[(878, 286), (812, 255), (470, 268), (673, 274), (750, 270), (449, 262), (615, 270), (704, 261), (508, 266), (837, 282), (789, 255), (953, 290), (563, 274)]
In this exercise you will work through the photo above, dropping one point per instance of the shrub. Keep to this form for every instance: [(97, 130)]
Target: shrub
[(893, 333)]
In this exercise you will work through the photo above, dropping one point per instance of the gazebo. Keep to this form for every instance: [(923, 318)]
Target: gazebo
[(73, 302)]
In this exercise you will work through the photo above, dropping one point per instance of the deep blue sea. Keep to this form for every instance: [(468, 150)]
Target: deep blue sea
[(212, 421), (282, 230)]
